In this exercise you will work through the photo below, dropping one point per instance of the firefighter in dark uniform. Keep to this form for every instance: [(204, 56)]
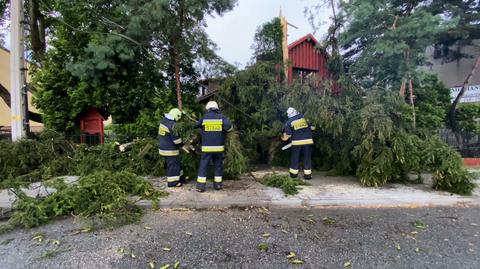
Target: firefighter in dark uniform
[(299, 131), (170, 144), (214, 127)]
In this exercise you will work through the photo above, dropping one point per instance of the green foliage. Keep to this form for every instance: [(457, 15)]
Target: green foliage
[(288, 185), (385, 41), (468, 115), (254, 93), (463, 33), (371, 136), (236, 162), (33, 159), (141, 158), (267, 44), (121, 58), (447, 166), (431, 102), (103, 196)]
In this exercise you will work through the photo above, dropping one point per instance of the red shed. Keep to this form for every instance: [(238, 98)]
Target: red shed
[(91, 127), (307, 60)]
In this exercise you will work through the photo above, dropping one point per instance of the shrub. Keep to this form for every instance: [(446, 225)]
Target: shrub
[(288, 185), (104, 197)]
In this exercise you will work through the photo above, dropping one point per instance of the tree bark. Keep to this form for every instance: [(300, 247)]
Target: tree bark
[(177, 82), (177, 54), (37, 30), (452, 114), (412, 103), (5, 95)]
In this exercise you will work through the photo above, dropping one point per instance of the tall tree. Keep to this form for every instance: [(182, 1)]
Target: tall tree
[(267, 42), (178, 28), (450, 44), (385, 41)]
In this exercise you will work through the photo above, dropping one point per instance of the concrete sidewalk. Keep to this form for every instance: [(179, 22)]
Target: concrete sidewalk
[(324, 192)]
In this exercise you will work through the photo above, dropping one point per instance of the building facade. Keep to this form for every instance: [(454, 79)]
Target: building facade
[(453, 74), (5, 113)]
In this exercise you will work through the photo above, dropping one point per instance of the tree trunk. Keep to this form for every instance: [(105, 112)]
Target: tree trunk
[(5, 95), (177, 55), (410, 86), (178, 86), (452, 114), (37, 31)]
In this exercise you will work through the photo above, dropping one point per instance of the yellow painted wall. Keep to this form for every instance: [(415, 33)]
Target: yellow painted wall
[(5, 113)]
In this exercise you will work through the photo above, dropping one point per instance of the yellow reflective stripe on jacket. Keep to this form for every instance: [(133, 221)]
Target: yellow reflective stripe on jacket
[(302, 142), (202, 180), (212, 121), (169, 152), (213, 148), (177, 141)]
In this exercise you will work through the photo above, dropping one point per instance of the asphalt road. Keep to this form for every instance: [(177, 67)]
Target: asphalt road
[(231, 238)]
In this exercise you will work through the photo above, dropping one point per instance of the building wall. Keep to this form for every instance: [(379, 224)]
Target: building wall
[(5, 113), (454, 73)]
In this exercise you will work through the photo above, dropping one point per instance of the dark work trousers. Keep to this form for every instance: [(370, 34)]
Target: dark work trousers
[(173, 170), (297, 153), (217, 159)]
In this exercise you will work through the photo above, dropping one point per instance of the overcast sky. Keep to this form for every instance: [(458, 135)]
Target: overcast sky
[(234, 31)]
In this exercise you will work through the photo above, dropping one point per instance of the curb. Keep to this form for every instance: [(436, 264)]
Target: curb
[(299, 203)]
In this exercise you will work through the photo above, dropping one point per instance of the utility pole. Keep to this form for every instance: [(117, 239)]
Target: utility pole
[(17, 72)]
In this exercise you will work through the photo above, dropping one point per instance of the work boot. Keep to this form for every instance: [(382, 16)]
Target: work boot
[(217, 186), (183, 177), (293, 175), (201, 187), (174, 184), (307, 177)]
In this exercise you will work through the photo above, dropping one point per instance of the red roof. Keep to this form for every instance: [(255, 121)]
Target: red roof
[(308, 37)]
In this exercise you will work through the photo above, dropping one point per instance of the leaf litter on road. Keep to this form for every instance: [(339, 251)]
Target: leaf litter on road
[(263, 246), (419, 224), (38, 237), (329, 221), (298, 262)]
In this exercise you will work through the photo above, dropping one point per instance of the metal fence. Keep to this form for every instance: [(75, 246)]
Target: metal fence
[(468, 144)]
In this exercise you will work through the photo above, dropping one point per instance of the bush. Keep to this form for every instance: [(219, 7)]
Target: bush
[(104, 197), (141, 158), (29, 160), (447, 167), (371, 135), (288, 185)]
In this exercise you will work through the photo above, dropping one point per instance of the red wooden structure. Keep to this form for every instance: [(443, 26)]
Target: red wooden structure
[(307, 61), (91, 126)]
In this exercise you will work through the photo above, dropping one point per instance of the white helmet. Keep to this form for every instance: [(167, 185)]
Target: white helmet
[(291, 112), (212, 105)]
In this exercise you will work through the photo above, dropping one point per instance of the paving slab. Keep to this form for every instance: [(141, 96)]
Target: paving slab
[(325, 191)]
